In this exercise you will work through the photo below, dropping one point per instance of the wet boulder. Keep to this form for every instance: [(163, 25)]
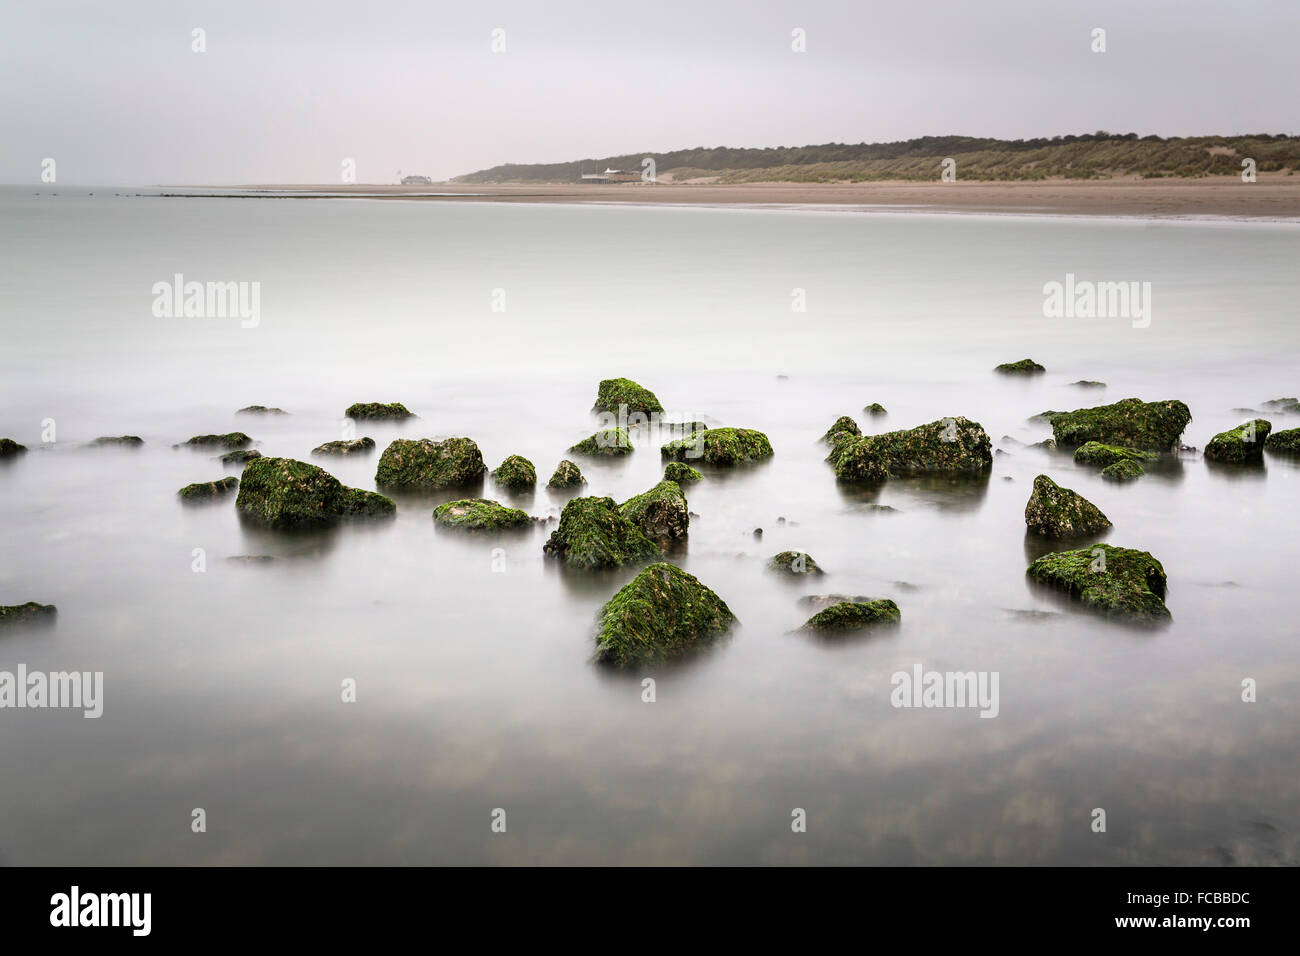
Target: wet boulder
[(427, 465), (794, 563), (516, 473), (850, 616), (593, 534), (720, 446), (284, 493), (228, 440), (12, 615), (955, 446), (1131, 423), (1124, 470), (359, 503), (260, 410), (479, 514), (874, 409), (356, 446), (1022, 367), (607, 442), (1056, 512), (378, 411), (681, 473), (567, 475), (615, 392), (843, 425), (1096, 453), (240, 456), (209, 489), (660, 513), (661, 614), (1287, 441), (1117, 582), (118, 441), (1243, 445)]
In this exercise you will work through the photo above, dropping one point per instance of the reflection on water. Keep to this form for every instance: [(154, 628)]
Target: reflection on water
[(471, 654)]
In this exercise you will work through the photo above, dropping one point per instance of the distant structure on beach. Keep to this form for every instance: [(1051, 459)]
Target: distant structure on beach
[(416, 181), (613, 176)]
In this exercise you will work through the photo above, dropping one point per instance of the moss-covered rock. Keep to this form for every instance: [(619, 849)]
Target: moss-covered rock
[(119, 441), (1057, 512), (358, 503), (29, 613), (516, 473), (356, 446), (1095, 453), (260, 410), (681, 473), (479, 514), (795, 563), (1117, 582), (1125, 470), (853, 616), (720, 446), (842, 424), (429, 465), (228, 440), (1131, 423), (378, 411), (567, 475), (209, 489), (607, 442), (240, 456), (1243, 445), (10, 447), (1023, 367), (660, 513), (614, 392), (660, 614), (947, 446), (874, 409), (593, 533), (1287, 441)]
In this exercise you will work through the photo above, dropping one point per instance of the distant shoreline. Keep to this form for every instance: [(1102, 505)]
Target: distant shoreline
[(1274, 196)]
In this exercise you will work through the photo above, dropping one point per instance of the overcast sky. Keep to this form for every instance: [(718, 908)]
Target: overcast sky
[(285, 91)]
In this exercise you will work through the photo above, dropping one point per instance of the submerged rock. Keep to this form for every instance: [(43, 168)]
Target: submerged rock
[(516, 473), (1284, 441), (1087, 383), (285, 493), (260, 410), (120, 441), (479, 514), (660, 614), (794, 562), (606, 442), (357, 446), (593, 533), (875, 408), (720, 446), (1023, 367), (1131, 423), (228, 440), (209, 489), (843, 424), (947, 446), (29, 613), (853, 616), (567, 475), (1118, 582), (1125, 470), (660, 513), (372, 411), (10, 447), (681, 473), (613, 392), (1095, 453), (1047, 443), (1241, 445), (820, 601), (240, 456), (1283, 405), (429, 465), (1057, 512)]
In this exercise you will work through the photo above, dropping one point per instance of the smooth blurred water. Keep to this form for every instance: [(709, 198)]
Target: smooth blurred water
[(475, 687)]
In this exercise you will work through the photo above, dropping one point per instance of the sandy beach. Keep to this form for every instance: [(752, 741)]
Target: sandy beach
[(1273, 196)]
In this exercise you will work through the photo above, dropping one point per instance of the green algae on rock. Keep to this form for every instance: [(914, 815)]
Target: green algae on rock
[(794, 562), (356, 446), (228, 440), (284, 493), (1118, 582), (1022, 367), (1130, 423), (479, 514), (429, 465), (853, 616), (119, 441), (660, 513), (615, 392), (1284, 441), (209, 489), (567, 475), (1125, 470), (1095, 453), (359, 503), (875, 408), (29, 613), (593, 534), (605, 442), (947, 446), (516, 473), (842, 424), (1241, 445), (661, 614), (240, 456), (378, 411), (681, 473), (1056, 512), (720, 446)]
